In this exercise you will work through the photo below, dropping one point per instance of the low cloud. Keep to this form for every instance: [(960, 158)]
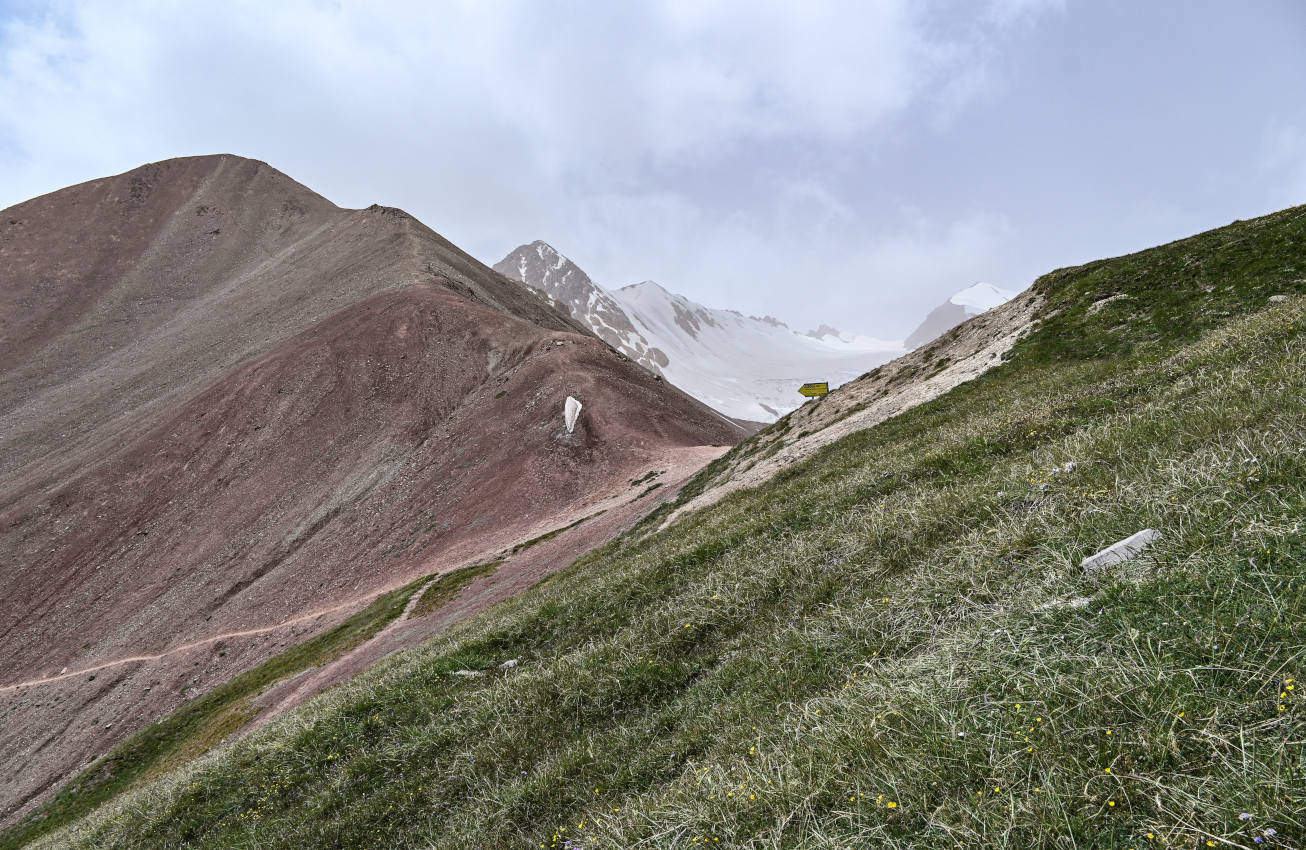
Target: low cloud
[(854, 158), (1283, 161)]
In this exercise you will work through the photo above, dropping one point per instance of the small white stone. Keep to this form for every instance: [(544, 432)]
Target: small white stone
[(509, 664), (468, 673)]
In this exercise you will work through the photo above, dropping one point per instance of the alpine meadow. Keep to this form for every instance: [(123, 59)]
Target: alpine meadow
[(890, 643)]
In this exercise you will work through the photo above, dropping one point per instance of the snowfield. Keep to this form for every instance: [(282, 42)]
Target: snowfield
[(745, 367)]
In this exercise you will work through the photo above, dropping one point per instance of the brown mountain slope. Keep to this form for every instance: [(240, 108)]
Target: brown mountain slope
[(226, 404), (120, 292)]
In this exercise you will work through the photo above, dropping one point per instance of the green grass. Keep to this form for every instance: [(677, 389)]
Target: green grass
[(201, 724), (549, 535), (649, 489), (446, 587), (890, 644)]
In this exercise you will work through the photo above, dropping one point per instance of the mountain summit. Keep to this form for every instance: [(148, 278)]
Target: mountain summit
[(971, 301), (543, 267), (234, 415)]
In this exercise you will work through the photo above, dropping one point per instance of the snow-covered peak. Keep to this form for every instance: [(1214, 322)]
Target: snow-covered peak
[(745, 366), (541, 266), (644, 284), (980, 297), (551, 256), (971, 301)]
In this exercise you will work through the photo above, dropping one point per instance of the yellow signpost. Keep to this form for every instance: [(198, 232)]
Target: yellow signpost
[(814, 390)]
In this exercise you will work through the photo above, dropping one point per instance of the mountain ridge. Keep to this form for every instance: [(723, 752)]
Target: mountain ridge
[(555, 275)]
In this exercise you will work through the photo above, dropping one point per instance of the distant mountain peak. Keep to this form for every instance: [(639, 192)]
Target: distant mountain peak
[(822, 332), (549, 254), (646, 285), (979, 297), (971, 301), (547, 270), (749, 367)]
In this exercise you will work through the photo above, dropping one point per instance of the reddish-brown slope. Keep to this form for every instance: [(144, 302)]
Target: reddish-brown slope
[(202, 440), (118, 294)]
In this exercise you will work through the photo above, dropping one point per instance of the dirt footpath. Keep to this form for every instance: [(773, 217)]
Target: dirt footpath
[(621, 509)]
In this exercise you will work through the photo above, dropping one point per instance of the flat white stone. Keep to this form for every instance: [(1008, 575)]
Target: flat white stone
[(1118, 553), (1073, 602), (570, 413)]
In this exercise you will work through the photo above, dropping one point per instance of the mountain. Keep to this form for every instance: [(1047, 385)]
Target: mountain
[(969, 302), (540, 266), (900, 635), (746, 367), (235, 417)]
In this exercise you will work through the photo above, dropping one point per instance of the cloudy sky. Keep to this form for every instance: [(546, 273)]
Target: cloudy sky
[(848, 163)]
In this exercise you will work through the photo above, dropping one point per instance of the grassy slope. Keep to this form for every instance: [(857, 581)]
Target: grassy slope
[(447, 586), (861, 653), (201, 724)]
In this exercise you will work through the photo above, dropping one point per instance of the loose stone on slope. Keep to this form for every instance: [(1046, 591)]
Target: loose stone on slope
[(1120, 552)]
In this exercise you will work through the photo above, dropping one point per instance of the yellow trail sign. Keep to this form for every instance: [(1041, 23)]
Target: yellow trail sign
[(813, 390)]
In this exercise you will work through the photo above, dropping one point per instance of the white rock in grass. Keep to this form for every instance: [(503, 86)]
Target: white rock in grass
[(1118, 553), (570, 412), (469, 674), (1276, 299), (509, 664), (1073, 602)]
